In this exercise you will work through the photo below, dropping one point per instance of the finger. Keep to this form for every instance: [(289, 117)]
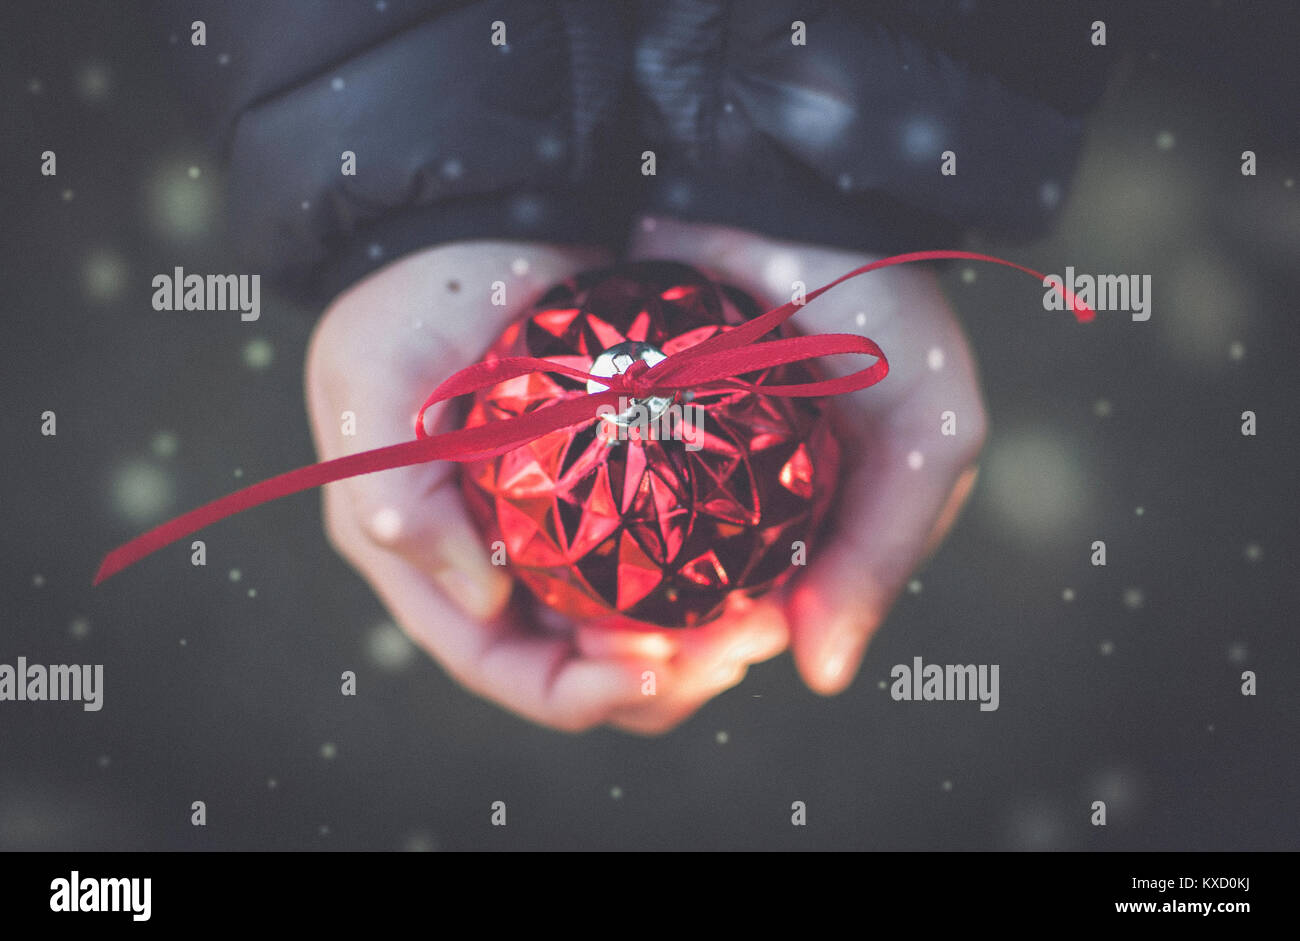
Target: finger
[(748, 631), (544, 679), (851, 583), (711, 660)]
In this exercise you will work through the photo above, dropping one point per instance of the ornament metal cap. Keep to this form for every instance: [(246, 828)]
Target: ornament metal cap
[(617, 360)]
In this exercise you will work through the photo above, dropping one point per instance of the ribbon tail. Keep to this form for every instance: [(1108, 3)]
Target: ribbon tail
[(465, 444), (294, 481), (752, 330)]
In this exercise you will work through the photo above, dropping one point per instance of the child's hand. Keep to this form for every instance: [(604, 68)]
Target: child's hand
[(903, 482), (378, 351)]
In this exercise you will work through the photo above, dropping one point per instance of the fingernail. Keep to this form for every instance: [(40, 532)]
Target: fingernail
[(654, 646), (766, 635), (842, 654), (759, 648), (743, 652), (729, 674)]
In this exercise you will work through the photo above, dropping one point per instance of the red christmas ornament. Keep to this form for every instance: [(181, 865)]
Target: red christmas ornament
[(661, 508)]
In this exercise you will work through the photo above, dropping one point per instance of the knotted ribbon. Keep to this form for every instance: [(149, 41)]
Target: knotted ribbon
[(714, 364)]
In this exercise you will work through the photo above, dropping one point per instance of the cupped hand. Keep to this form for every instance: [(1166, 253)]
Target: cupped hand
[(377, 352), (903, 480)]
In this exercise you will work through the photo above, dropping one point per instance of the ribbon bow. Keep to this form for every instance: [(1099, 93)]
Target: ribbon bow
[(712, 364)]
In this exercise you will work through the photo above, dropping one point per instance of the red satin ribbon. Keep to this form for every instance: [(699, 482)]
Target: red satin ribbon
[(712, 364)]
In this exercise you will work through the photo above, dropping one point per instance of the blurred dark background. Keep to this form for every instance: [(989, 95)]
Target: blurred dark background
[(1119, 683)]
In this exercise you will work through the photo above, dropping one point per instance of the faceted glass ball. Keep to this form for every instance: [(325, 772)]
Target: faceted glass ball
[(657, 514)]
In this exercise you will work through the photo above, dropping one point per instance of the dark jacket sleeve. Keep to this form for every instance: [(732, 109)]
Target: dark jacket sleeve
[(840, 140), (454, 137)]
